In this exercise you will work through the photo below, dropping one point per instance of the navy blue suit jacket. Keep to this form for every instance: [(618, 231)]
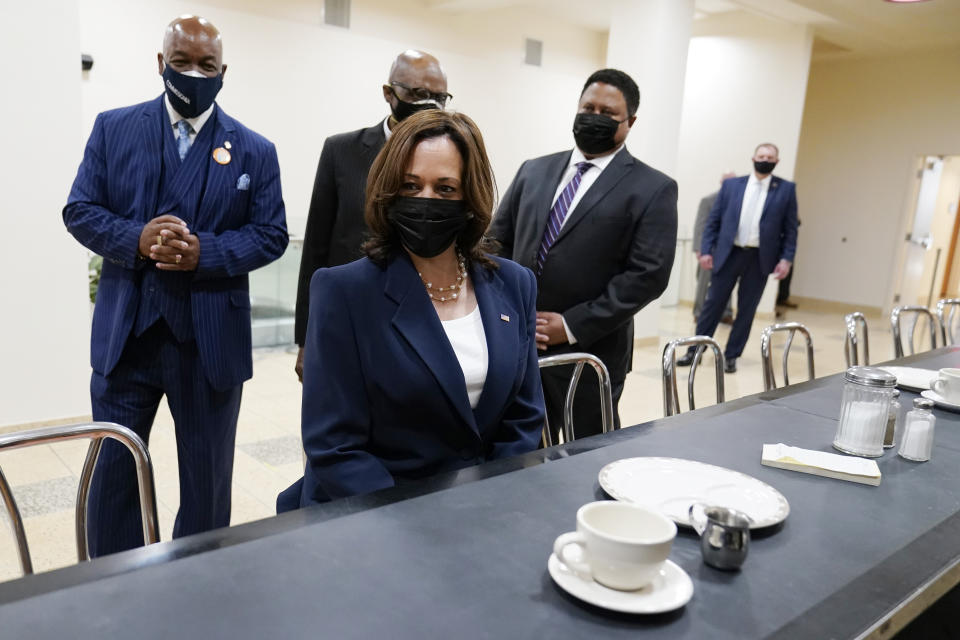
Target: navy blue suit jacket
[(384, 397), (117, 191), (778, 223)]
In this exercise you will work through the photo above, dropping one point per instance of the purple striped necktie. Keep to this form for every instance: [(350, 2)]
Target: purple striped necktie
[(558, 213)]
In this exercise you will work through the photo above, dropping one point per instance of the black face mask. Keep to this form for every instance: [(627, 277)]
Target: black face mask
[(189, 95), (594, 132), (427, 226), (404, 109), (763, 168)]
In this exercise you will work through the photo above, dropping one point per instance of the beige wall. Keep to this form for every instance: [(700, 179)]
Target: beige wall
[(45, 319), (865, 124), (745, 84)]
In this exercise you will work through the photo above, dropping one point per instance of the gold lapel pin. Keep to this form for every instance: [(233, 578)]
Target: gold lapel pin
[(221, 156), (505, 317)]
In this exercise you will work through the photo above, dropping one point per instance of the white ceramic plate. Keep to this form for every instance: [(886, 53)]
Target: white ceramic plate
[(670, 590), (940, 401), (912, 378), (672, 485)]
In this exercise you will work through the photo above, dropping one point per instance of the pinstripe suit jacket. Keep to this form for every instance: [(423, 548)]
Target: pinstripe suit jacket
[(117, 191)]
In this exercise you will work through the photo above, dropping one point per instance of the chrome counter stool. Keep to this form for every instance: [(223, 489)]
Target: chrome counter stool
[(766, 352), (916, 312), (671, 398), (96, 432), (606, 393), (946, 324), (850, 343)]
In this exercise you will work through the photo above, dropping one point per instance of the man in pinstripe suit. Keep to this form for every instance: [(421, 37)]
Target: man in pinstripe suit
[(182, 201)]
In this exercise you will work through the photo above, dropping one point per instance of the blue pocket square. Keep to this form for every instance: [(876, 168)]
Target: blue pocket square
[(243, 182)]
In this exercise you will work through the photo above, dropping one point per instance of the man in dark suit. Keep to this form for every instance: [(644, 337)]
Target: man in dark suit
[(182, 201), (751, 233), (703, 276), (599, 228), (335, 226)]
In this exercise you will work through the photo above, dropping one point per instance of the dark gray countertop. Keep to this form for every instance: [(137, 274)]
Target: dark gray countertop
[(470, 560)]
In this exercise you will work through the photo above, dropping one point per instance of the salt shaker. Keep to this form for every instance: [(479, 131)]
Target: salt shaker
[(917, 440), (893, 421), (867, 392)]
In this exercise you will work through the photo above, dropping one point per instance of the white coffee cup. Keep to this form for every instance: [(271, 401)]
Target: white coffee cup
[(622, 546), (947, 384)]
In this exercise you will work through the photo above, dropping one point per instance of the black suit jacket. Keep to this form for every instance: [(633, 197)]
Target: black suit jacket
[(612, 256), (335, 226)]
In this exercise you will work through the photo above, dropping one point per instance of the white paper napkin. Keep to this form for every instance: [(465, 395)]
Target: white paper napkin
[(820, 463)]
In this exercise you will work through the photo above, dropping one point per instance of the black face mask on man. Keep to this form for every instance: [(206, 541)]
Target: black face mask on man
[(190, 93), (427, 226), (764, 167), (594, 132), (405, 109)]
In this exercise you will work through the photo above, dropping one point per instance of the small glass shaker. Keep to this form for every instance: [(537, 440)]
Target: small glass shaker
[(893, 421), (917, 442), (864, 410)]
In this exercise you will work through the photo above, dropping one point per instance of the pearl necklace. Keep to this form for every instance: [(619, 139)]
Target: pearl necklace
[(452, 292)]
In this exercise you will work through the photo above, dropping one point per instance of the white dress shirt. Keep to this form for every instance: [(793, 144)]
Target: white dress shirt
[(586, 181), (751, 210), (386, 127), (469, 342), (196, 123)]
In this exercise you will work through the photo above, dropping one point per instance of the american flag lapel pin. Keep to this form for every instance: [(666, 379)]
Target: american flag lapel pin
[(505, 317)]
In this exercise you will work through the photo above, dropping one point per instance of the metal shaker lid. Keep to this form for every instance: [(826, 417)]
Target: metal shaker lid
[(922, 403), (870, 377)]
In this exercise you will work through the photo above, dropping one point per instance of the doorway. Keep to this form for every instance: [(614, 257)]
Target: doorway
[(930, 258)]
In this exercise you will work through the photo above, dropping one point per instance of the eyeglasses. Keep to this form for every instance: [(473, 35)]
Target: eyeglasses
[(423, 94)]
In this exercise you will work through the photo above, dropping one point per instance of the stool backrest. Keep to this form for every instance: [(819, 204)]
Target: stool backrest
[(95, 432), (671, 397), (914, 312), (946, 323), (606, 392), (851, 352), (766, 352)]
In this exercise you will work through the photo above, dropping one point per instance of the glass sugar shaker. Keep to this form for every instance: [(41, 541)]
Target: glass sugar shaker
[(864, 411), (893, 421), (917, 442)]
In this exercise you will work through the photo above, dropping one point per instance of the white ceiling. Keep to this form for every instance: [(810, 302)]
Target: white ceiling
[(841, 27)]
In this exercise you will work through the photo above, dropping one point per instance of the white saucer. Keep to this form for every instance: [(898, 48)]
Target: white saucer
[(670, 590), (940, 401), (912, 378)]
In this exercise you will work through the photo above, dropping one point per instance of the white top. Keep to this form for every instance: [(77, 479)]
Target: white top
[(754, 196), (386, 127), (197, 123), (469, 342), (586, 181)]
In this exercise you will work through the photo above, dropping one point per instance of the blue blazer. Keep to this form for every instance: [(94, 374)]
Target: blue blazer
[(241, 226), (384, 398), (778, 223)]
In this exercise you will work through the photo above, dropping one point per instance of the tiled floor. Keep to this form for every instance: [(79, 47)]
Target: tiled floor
[(268, 456)]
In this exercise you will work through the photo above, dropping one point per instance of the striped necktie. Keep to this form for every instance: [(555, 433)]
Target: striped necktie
[(558, 213), (183, 138)]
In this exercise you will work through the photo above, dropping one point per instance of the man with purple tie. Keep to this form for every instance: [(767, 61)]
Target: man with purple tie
[(599, 229), (182, 201)]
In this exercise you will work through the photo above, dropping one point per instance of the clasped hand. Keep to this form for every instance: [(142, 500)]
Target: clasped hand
[(167, 241), (550, 330)]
